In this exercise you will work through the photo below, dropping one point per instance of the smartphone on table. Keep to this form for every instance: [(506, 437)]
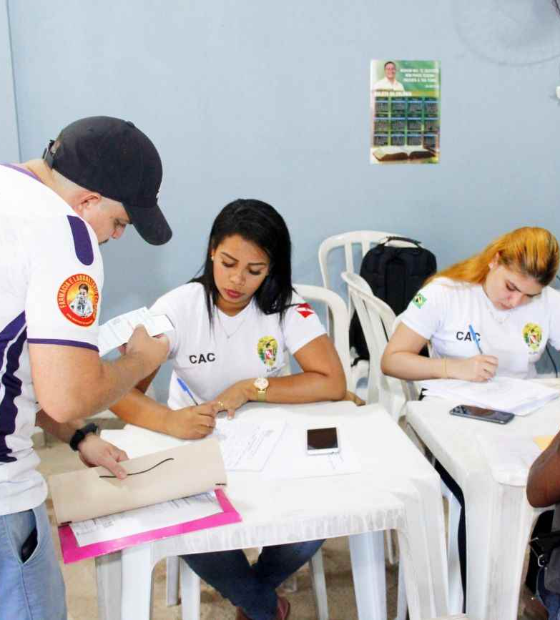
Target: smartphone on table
[(480, 413), (322, 441)]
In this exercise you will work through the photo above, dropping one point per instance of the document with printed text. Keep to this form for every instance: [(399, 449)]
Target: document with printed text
[(245, 445), (517, 396), (118, 331), (145, 519)]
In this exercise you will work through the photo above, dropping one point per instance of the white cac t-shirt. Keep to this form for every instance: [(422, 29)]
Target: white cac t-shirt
[(248, 345), (443, 310)]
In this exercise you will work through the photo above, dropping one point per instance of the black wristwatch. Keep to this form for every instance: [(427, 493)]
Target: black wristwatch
[(81, 433)]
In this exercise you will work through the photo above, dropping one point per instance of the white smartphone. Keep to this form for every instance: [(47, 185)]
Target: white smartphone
[(322, 441)]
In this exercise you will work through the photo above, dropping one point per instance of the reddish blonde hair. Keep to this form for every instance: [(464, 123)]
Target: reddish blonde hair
[(530, 251)]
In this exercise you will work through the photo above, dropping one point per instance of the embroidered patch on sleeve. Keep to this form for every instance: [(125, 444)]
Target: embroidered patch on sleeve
[(419, 300), (305, 310), (78, 298)]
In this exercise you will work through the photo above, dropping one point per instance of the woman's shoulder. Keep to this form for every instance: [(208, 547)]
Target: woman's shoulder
[(187, 294), (550, 297)]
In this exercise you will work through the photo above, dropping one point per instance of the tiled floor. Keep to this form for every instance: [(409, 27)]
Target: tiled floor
[(81, 585)]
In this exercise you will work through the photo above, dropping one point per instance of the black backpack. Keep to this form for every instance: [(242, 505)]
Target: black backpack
[(395, 274)]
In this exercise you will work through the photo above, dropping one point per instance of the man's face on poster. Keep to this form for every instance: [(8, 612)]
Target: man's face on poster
[(390, 71)]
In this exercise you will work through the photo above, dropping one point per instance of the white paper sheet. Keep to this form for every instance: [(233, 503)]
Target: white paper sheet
[(509, 457), (290, 459), (517, 396), (118, 331), (246, 446), (145, 519)]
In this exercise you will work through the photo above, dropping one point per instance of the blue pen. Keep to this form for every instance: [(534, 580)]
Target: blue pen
[(185, 388), (476, 341)]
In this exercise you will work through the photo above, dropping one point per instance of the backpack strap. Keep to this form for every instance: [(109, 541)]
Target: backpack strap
[(389, 239)]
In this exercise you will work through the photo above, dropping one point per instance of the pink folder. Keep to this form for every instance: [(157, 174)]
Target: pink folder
[(71, 552)]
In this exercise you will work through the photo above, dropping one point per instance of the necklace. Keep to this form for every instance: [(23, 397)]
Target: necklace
[(238, 324)]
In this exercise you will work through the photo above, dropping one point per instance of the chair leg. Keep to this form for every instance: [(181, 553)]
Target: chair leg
[(172, 581), (402, 605), (390, 545), (368, 571), (190, 592), (319, 584)]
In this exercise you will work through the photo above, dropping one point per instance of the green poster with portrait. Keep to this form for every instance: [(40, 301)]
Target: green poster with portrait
[(405, 111)]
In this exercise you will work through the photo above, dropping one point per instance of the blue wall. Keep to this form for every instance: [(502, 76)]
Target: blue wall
[(265, 99), (9, 148)]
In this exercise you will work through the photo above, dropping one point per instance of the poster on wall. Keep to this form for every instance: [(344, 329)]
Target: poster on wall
[(405, 111)]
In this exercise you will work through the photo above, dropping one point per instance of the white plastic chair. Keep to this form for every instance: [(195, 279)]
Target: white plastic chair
[(377, 320), (363, 240), (178, 573)]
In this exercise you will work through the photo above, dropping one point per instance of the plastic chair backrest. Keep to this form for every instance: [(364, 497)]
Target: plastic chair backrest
[(366, 239), (377, 320), (339, 320)]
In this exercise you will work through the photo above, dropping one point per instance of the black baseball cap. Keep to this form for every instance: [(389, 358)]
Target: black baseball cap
[(114, 158)]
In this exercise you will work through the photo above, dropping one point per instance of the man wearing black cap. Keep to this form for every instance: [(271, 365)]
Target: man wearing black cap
[(98, 176)]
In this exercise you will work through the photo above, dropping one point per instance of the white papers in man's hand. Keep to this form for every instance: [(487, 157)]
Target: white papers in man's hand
[(118, 331), (145, 519), (517, 396), (245, 445)]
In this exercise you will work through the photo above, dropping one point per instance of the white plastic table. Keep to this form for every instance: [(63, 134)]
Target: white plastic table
[(396, 489), (499, 518)]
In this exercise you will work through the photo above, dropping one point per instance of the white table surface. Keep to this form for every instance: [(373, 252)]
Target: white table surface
[(396, 489), (499, 518)]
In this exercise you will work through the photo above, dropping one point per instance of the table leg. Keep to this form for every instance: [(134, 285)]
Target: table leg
[(319, 584), (190, 592), (368, 571), (495, 553), (108, 572), (136, 583)]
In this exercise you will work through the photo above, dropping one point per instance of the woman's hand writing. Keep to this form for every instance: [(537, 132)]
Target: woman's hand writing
[(192, 422), (478, 368)]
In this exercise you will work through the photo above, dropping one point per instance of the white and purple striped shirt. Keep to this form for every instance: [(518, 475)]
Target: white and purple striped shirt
[(47, 253)]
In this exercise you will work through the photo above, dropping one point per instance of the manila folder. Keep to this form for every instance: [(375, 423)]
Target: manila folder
[(194, 468)]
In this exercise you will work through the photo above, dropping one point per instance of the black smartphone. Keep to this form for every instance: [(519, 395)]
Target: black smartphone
[(322, 440), (479, 413), (29, 546)]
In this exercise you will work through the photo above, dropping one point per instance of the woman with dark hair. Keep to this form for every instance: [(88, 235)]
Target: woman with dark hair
[(232, 327)]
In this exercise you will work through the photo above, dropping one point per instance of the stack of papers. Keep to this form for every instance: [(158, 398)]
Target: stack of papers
[(118, 331), (517, 396)]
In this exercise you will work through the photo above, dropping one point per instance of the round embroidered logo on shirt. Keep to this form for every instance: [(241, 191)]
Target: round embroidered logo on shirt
[(532, 334), (78, 298), (267, 349)]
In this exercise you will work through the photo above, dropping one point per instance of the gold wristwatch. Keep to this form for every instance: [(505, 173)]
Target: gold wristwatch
[(262, 385)]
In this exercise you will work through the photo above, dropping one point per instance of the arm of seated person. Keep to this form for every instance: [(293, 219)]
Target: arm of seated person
[(187, 423), (543, 483), (72, 382), (322, 378), (402, 359)]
